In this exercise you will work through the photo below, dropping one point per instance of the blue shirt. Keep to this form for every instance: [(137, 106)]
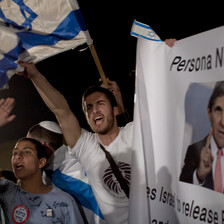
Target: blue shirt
[(20, 206)]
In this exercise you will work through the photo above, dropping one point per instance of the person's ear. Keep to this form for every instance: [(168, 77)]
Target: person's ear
[(42, 163), (116, 111)]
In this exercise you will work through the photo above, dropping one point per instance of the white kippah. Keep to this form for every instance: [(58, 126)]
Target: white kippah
[(51, 126)]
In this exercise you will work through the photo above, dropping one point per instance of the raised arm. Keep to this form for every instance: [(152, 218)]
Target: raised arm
[(6, 106), (56, 102)]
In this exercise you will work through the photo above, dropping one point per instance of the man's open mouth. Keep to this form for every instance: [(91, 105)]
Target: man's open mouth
[(19, 166), (98, 119)]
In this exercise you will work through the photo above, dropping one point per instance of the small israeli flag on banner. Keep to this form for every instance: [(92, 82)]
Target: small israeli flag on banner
[(143, 30), (33, 30)]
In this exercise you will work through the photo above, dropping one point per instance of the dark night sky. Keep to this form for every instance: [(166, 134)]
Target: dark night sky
[(109, 24)]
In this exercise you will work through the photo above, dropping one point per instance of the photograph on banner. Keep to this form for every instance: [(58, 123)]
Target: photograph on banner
[(204, 135), (174, 87)]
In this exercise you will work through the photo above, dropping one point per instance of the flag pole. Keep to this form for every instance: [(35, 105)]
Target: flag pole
[(98, 64)]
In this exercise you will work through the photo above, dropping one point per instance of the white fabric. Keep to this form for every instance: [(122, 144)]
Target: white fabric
[(51, 126), (69, 165), (33, 30), (164, 77), (73, 179), (111, 199), (142, 30)]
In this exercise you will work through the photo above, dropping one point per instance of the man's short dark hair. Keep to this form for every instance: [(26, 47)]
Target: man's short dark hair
[(41, 150), (218, 91), (92, 89)]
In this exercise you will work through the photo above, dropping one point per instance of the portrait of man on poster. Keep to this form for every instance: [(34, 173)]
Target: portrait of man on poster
[(204, 161)]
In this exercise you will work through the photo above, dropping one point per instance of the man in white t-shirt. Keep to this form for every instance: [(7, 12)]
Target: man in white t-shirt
[(101, 109)]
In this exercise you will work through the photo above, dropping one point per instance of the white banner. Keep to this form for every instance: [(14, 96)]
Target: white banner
[(174, 86)]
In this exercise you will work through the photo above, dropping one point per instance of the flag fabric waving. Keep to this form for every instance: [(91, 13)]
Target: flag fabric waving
[(140, 29), (33, 30)]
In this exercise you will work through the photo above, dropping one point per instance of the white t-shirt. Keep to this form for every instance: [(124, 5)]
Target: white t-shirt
[(111, 198)]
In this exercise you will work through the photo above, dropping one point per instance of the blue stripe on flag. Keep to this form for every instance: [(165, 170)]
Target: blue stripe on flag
[(138, 35), (8, 63), (68, 29), (79, 189), (142, 25), (80, 19), (24, 8), (28, 20)]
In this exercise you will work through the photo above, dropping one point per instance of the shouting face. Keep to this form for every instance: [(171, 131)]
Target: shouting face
[(99, 113), (25, 162)]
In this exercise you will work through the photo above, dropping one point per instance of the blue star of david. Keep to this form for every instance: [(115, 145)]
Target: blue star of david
[(151, 34), (25, 10)]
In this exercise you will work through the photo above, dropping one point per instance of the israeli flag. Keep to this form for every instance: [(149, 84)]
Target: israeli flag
[(32, 30), (143, 30)]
